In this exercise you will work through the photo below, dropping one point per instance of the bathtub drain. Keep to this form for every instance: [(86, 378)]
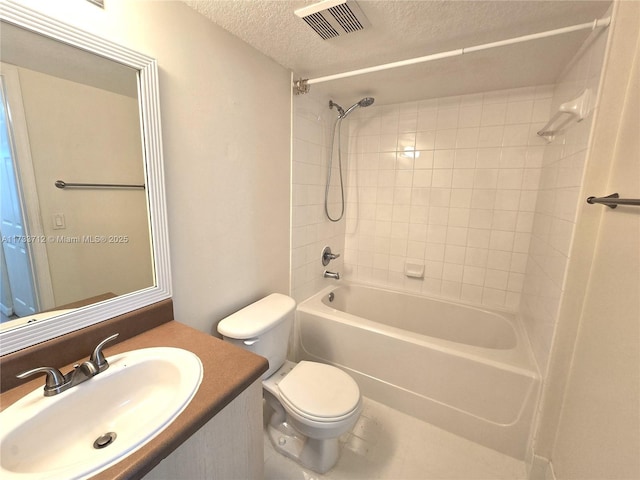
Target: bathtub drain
[(104, 440)]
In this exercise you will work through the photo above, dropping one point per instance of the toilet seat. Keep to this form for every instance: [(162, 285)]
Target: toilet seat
[(319, 392)]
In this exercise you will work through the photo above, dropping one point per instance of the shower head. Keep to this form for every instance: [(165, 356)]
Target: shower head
[(365, 102)]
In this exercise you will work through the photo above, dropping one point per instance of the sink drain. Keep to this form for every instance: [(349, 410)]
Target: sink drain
[(105, 440)]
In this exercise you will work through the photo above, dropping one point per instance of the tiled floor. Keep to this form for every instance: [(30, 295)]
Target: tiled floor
[(387, 444)]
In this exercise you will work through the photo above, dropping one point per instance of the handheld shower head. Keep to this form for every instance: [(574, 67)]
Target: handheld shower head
[(365, 102)]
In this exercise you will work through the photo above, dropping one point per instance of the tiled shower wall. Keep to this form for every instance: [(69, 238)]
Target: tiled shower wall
[(313, 123), (559, 198), (461, 185), (448, 185)]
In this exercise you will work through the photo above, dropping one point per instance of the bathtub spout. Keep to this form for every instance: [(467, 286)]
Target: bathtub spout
[(328, 274)]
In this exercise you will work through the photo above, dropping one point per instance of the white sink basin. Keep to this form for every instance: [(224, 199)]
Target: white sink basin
[(137, 397)]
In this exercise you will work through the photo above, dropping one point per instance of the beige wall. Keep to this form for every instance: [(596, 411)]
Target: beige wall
[(590, 422), (226, 131), (72, 128)]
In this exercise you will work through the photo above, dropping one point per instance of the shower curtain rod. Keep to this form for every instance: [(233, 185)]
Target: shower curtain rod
[(302, 86)]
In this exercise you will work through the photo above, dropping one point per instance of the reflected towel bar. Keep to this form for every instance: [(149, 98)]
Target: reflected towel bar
[(613, 200), (62, 184)]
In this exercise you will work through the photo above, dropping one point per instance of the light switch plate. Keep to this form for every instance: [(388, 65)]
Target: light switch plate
[(59, 222)]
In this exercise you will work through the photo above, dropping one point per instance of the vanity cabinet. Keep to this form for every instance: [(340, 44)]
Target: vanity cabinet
[(229, 446)]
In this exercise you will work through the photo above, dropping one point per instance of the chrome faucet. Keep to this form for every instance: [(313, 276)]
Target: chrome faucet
[(57, 383), (327, 256), (328, 274)]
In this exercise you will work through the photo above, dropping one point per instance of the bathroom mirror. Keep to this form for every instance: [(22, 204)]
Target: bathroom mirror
[(98, 249)]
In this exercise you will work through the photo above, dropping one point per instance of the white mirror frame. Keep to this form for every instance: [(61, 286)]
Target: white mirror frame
[(149, 102)]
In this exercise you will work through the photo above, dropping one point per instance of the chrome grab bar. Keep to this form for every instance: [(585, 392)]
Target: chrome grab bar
[(613, 200)]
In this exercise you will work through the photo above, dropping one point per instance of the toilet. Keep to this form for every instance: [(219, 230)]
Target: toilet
[(313, 403)]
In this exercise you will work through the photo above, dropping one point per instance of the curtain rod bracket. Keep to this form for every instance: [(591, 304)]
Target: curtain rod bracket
[(300, 86)]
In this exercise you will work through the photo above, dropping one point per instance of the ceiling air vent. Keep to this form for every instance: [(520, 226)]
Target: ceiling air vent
[(332, 18)]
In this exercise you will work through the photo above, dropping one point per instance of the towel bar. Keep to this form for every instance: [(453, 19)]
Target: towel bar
[(613, 200), (62, 184), (576, 110)]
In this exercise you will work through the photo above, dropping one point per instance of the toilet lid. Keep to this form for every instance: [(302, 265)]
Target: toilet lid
[(319, 390)]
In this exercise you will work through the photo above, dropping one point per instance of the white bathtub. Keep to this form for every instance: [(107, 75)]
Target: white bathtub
[(466, 370)]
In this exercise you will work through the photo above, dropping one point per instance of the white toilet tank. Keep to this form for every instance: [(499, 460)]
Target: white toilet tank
[(262, 328)]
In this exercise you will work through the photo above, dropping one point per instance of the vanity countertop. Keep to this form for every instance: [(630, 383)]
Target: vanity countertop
[(228, 370)]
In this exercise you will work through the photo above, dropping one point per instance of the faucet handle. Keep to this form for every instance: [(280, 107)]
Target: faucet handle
[(327, 255), (97, 357), (55, 378)]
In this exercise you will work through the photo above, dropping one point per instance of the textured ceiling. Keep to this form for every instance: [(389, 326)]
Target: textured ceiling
[(402, 29)]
